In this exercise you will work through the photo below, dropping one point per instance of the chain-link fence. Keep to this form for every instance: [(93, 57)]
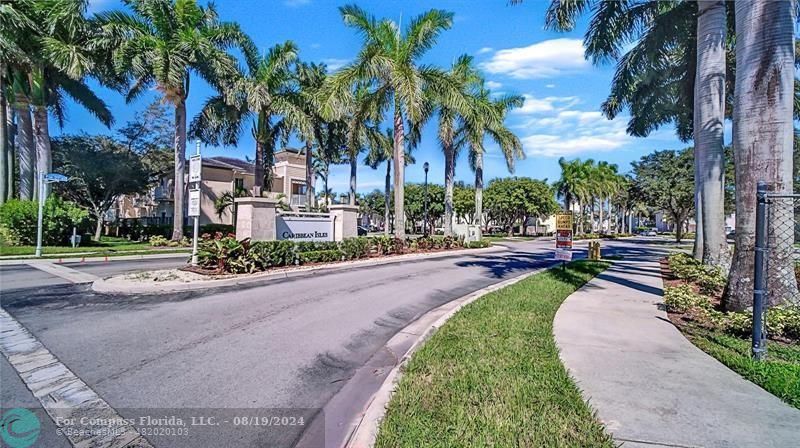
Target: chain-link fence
[(777, 253), (782, 247)]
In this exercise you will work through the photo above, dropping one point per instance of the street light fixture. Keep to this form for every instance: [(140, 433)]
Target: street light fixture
[(44, 179), (425, 167)]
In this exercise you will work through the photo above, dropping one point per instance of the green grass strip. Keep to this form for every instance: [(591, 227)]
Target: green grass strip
[(779, 374), (491, 376)]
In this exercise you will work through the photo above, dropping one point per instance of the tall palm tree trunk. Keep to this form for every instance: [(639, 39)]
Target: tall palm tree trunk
[(479, 188), (762, 136), (41, 138), (27, 157), (386, 197), (399, 173), (600, 222), (258, 169), (310, 196), (449, 178), (353, 174), (709, 118), (11, 129), (697, 250), (5, 168), (180, 162)]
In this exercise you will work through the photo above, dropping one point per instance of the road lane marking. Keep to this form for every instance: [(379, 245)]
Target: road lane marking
[(63, 395), (64, 272)]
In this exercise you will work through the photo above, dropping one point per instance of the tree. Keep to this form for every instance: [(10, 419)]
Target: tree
[(666, 180), (49, 49), (674, 64), (453, 108), (382, 151), (388, 62), (415, 204), (100, 170), (311, 77), (464, 202), (162, 43), (150, 134), (516, 199), (486, 118), (762, 141)]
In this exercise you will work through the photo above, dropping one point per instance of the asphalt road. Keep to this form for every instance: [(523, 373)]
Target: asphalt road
[(23, 276), (282, 348)]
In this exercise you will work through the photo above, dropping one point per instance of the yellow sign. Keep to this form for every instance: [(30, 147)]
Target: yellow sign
[(564, 221)]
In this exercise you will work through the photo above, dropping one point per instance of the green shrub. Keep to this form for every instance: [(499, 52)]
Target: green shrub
[(269, 254), (784, 321), (158, 241), (681, 298), (19, 220), (210, 228), (313, 246), (320, 256), (478, 244), (354, 248), (709, 279), (225, 254), (382, 245)]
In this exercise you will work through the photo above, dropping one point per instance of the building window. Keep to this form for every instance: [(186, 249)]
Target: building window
[(238, 184)]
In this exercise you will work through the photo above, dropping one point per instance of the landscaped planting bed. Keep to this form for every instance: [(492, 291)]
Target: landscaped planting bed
[(224, 254), (692, 295)]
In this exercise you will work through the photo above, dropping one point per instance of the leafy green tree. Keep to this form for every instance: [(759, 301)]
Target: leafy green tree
[(389, 63), (464, 202), (513, 199), (100, 170), (666, 181), (164, 42), (415, 204), (150, 134), (382, 152)]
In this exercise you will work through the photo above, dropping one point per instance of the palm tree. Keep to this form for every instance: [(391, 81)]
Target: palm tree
[(379, 152), (487, 118), (676, 64), (311, 77), (388, 63), (163, 43), (48, 50), (763, 132), (454, 108), (268, 97)]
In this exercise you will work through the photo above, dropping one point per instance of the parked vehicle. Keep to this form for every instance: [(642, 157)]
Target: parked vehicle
[(362, 231)]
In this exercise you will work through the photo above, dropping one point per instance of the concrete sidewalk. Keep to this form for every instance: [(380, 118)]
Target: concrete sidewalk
[(649, 384)]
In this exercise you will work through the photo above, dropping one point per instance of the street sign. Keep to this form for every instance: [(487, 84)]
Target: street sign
[(194, 203), (563, 254), (564, 244), (195, 168), (564, 221), (563, 239)]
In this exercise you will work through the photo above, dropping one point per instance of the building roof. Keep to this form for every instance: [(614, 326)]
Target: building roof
[(230, 163)]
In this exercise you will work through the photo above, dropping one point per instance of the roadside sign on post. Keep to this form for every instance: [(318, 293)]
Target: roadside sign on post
[(194, 203), (564, 237), (564, 221), (195, 168)]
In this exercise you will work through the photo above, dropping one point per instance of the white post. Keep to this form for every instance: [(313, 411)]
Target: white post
[(40, 218), (196, 220)]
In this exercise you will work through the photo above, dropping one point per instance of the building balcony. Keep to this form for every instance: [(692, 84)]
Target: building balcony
[(298, 199)]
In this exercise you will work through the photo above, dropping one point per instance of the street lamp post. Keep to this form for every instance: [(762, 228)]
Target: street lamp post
[(425, 217), (44, 179)]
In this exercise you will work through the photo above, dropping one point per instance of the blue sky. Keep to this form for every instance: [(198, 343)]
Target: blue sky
[(563, 91)]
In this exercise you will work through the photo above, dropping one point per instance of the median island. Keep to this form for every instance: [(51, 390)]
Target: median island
[(491, 376)]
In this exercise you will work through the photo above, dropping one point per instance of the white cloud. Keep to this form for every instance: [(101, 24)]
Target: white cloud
[(535, 105), (335, 63), (296, 3), (550, 86), (493, 85), (545, 59), (485, 50), (550, 127)]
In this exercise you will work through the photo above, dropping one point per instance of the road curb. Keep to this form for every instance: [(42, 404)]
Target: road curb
[(366, 424), (119, 285), (72, 258)]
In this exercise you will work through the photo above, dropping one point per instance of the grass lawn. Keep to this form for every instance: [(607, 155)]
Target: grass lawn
[(496, 238), (107, 246), (779, 374), (491, 375)]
